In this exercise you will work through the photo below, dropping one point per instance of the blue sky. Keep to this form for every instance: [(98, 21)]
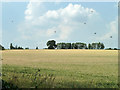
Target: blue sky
[(31, 24)]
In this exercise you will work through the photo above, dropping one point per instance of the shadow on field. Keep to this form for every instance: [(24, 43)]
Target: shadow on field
[(6, 85)]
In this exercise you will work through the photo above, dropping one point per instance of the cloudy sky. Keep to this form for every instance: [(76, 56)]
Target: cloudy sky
[(31, 24)]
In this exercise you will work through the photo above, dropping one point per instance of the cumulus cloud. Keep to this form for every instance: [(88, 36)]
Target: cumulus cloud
[(42, 22)]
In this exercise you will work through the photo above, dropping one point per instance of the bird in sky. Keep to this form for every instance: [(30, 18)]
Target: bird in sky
[(54, 31), (84, 23), (95, 33), (110, 36), (92, 11)]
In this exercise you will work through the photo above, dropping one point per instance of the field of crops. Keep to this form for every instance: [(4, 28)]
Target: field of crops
[(60, 68)]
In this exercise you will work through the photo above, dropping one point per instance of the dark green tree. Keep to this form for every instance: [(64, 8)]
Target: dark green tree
[(26, 48), (16, 47), (51, 44), (89, 46), (94, 46), (80, 45), (68, 45), (11, 46), (102, 46), (59, 46), (85, 46), (115, 49), (20, 47), (74, 46), (99, 45), (36, 47), (77, 45), (63, 45)]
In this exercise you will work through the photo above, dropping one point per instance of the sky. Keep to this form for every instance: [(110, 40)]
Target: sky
[(31, 24)]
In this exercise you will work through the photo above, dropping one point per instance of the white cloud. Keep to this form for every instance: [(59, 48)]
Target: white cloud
[(41, 22), (65, 32)]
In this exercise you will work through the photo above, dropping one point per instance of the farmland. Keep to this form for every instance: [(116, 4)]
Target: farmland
[(70, 68)]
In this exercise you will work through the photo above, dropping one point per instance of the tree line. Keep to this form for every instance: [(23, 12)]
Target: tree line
[(78, 45), (51, 44), (15, 47), (18, 47)]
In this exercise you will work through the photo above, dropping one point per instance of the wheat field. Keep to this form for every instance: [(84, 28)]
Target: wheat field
[(71, 68)]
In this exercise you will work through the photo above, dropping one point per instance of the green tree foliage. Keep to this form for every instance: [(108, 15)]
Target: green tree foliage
[(51, 44), (79, 45), (74, 46), (27, 48), (59, 46), (94, 45), (71, 46), (115, 49), (11, 46), (36, 47), (89, 46), (102, 46), (63, 45), (97, 46), (19, 47), (68, 45)]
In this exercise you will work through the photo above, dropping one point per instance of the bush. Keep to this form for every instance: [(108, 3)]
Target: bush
[(108, 49), (115, 49), (111, 49), (27, 48)]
